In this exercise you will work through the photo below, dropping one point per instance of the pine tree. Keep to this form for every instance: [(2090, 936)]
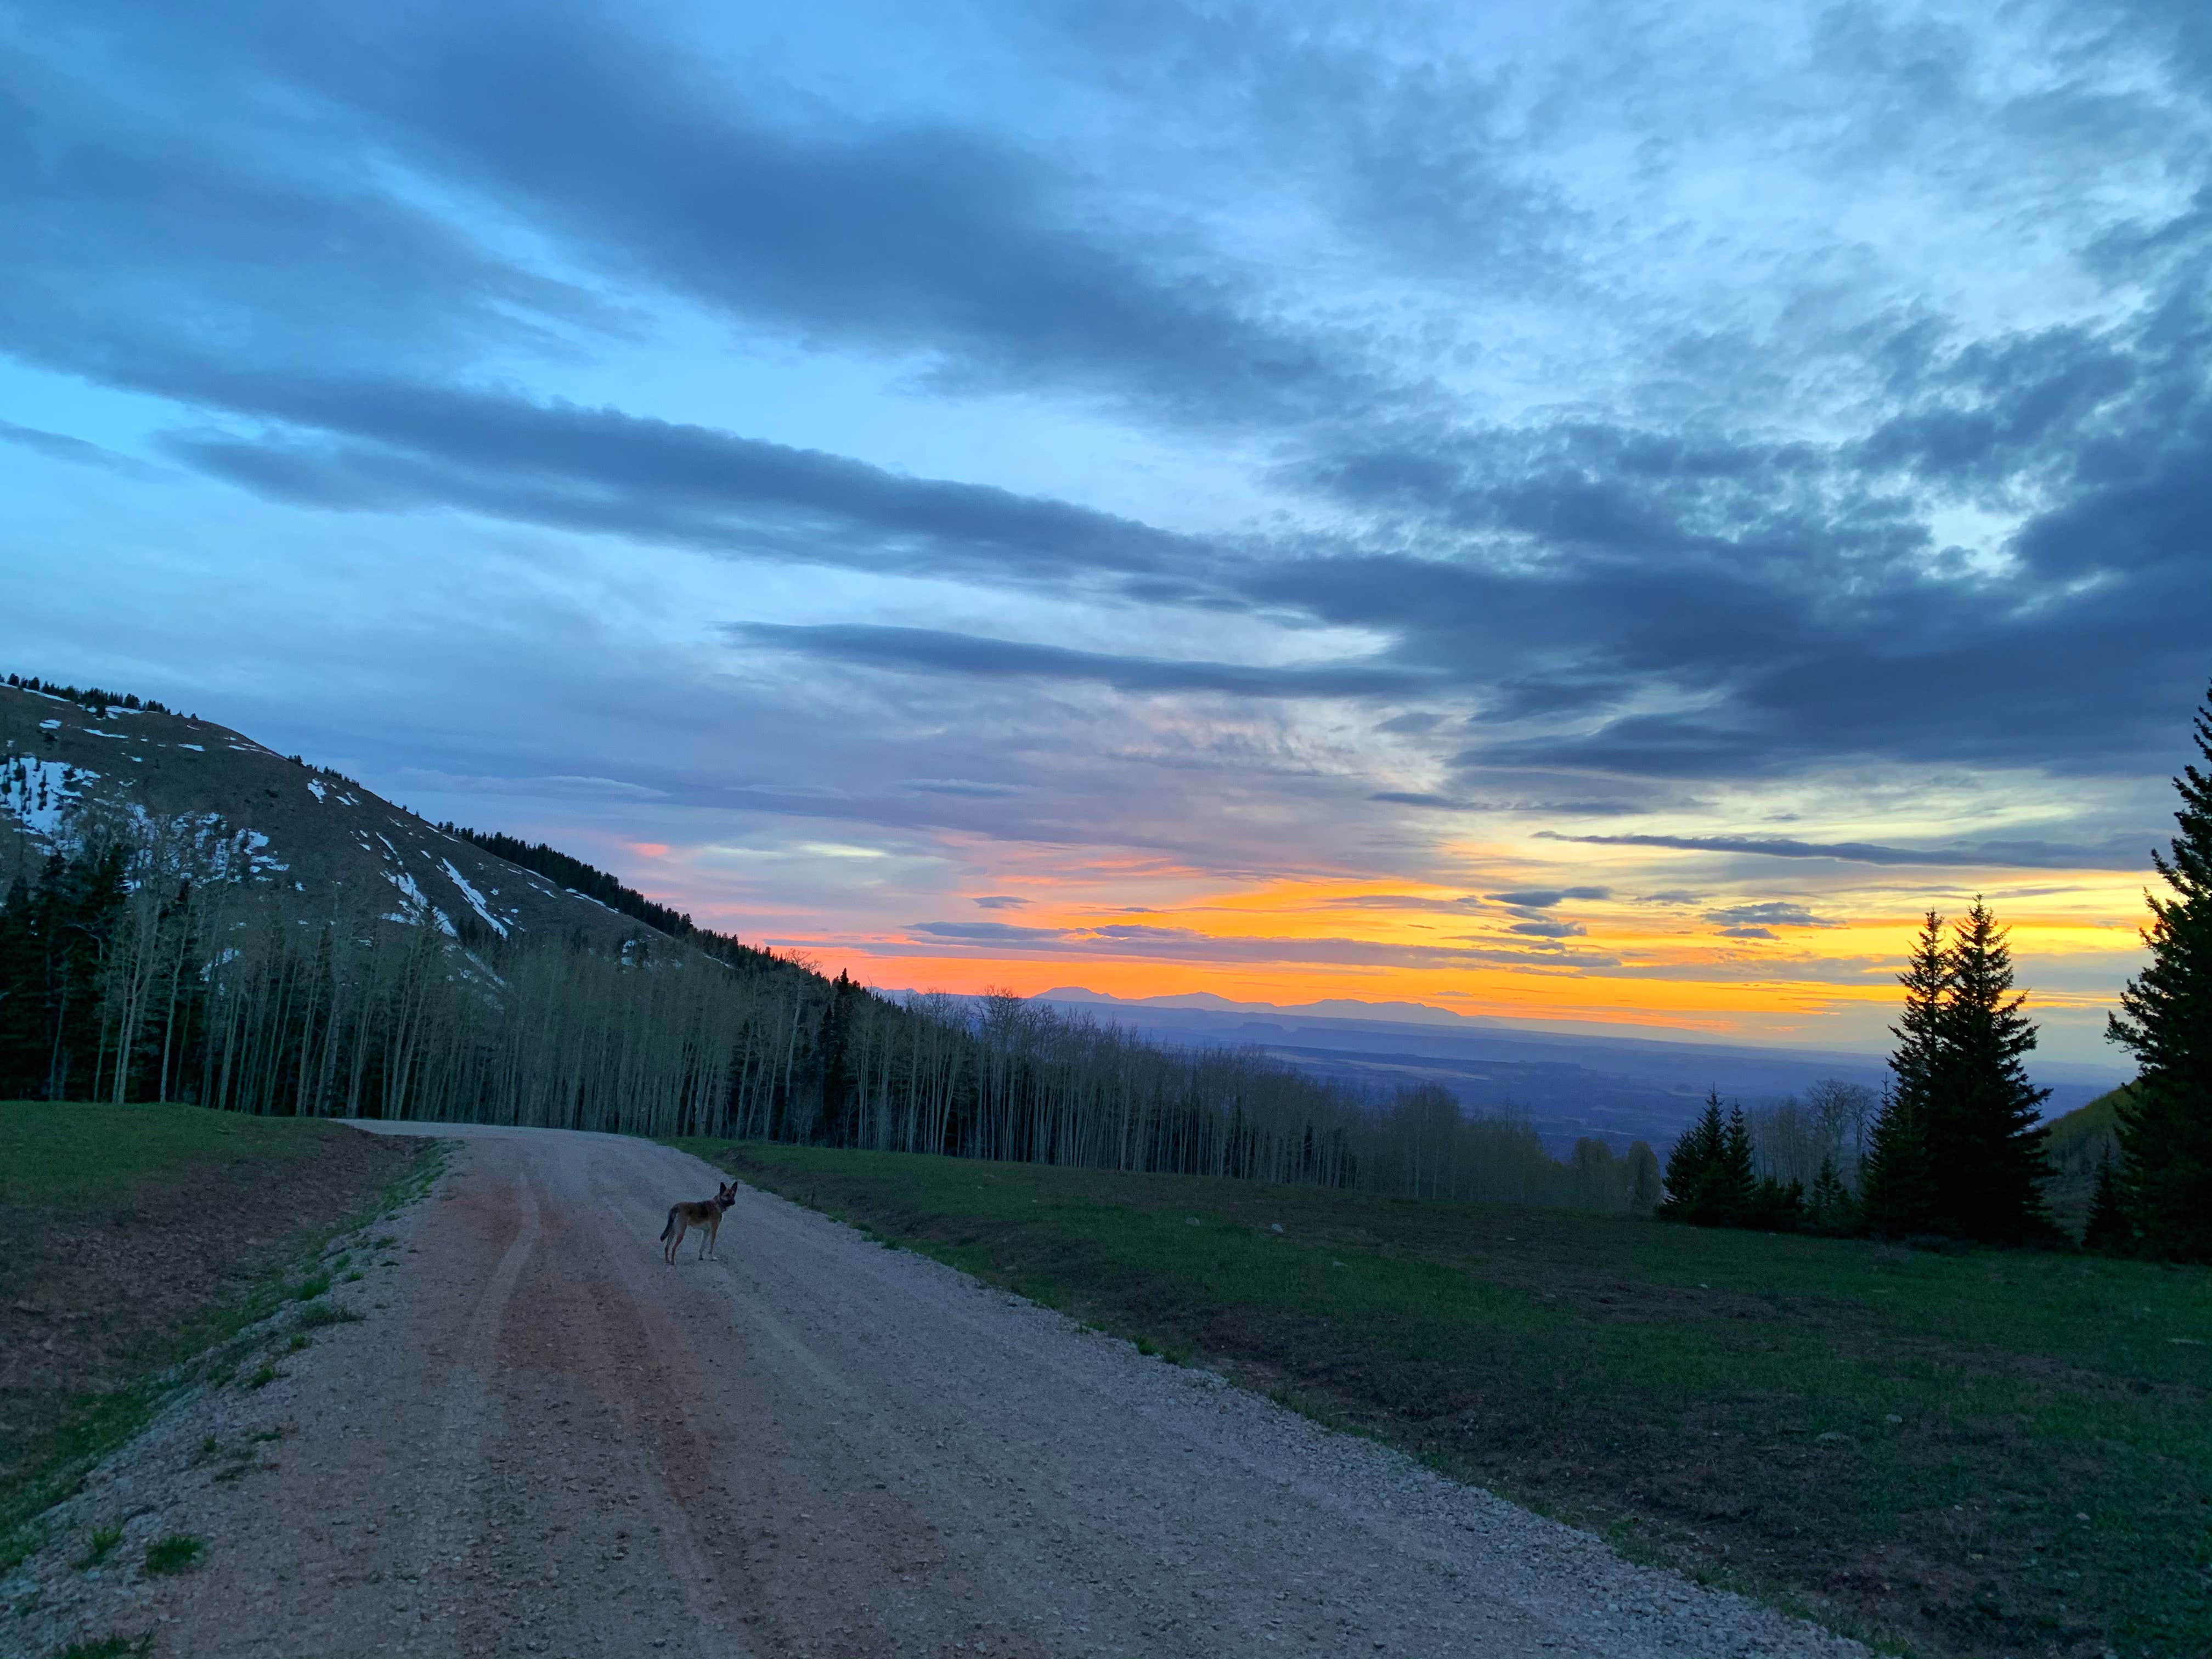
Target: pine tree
[(1984, 1141), (1897, 1184), (2108, 1228), (1896, 1191), (1733, 1184), (1829, 1207), (1690, 1165), (2165, 1180)]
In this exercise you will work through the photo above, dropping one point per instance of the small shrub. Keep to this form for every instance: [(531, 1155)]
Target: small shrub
[(262, 1378), (174, 1553), (19, 1542), (299, 1340), (107, 1647), (313, 1288), (98, 1546), (327, 1313)]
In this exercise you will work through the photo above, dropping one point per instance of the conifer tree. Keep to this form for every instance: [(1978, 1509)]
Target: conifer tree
[(1985, 1142), (1896, 1192), (1733, 1184), (1696, 1154), (2165, 1180), (2108, 1228), (1709, 1177), (1829, 1207), (1897, 1184)]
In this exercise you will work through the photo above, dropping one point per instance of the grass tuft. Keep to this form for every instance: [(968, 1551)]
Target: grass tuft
[(174, 1553), (108, 1647), (98, 1546), (327, 1313), (312, 1288)]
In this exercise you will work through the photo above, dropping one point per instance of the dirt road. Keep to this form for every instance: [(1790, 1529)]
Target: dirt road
[(543, 1440)]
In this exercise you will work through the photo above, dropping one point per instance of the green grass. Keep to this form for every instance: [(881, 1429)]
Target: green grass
[(65, 1160), (69, 1157), (98, 1546), (174, 1553), (107, 1647), (1984, 1454)]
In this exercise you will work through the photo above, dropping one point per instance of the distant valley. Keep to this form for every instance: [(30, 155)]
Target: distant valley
[(1622, 1088)]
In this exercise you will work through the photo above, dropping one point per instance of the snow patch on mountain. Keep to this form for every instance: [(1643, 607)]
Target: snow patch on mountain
[(476, 899), (41, 793)]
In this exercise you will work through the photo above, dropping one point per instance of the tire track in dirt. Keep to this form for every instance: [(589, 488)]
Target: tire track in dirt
[(546, 1441)]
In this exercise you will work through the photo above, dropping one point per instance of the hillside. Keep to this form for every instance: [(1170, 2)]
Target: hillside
[(2077, 1143), (320, 844)]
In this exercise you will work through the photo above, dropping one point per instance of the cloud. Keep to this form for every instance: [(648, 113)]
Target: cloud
[(1746, 932), (914, 235), (60, 447), (1001, 902), (575, 784), (1549, 929), (1986, 854), (932, 650), (399, 446), (1771, 914), (987, 932), (978, 790), (1542, 898)]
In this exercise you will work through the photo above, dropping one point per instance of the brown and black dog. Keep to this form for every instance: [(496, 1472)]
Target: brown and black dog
[(707, 1217)]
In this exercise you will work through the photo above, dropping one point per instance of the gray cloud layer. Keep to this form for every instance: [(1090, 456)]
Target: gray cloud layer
[(1740, 563)]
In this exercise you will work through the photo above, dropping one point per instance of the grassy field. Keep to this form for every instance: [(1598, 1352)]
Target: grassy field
[(136, 1237), (1985, 1454)]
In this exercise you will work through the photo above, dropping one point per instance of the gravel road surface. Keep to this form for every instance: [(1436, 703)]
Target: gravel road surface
[(544, 1440)]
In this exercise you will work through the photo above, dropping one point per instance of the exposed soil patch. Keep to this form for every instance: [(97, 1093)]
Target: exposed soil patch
[(88, 1300)]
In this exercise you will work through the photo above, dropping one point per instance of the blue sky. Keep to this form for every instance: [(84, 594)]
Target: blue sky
[(1164, 498)]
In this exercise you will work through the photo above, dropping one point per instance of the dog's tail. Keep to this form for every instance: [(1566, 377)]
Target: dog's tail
[(670, 1227)]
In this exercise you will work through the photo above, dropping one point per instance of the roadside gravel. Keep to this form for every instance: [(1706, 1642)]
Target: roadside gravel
[(543, 1440)]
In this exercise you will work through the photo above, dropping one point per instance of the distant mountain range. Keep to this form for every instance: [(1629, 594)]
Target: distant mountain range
[(1624, 1088)]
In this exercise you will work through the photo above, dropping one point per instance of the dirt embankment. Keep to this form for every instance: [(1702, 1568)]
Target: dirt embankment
[(106, 1286)]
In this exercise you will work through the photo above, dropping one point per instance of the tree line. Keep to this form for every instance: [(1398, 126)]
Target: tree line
[(148, 966), (90, 697), (1955, 1148)]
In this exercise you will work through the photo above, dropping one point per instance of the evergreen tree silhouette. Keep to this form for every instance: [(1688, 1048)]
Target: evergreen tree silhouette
[(1984, 1143), (2108, 1230), (1898, 1190), (1695, 1154), (1829, 1207), (2164, 1178), (1709, 1179)]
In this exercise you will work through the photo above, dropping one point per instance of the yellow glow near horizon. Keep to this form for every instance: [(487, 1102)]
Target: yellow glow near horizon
[(1670, 965)]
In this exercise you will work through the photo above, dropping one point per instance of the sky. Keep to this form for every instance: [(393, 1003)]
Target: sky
[(1581, 513)]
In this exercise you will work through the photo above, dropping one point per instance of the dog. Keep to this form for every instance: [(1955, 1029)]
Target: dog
[(707, 1217)]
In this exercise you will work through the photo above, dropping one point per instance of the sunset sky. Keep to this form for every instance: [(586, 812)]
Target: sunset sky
[(1576, 513)]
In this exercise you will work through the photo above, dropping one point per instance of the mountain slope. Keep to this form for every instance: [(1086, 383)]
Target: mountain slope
[(310, 840)]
